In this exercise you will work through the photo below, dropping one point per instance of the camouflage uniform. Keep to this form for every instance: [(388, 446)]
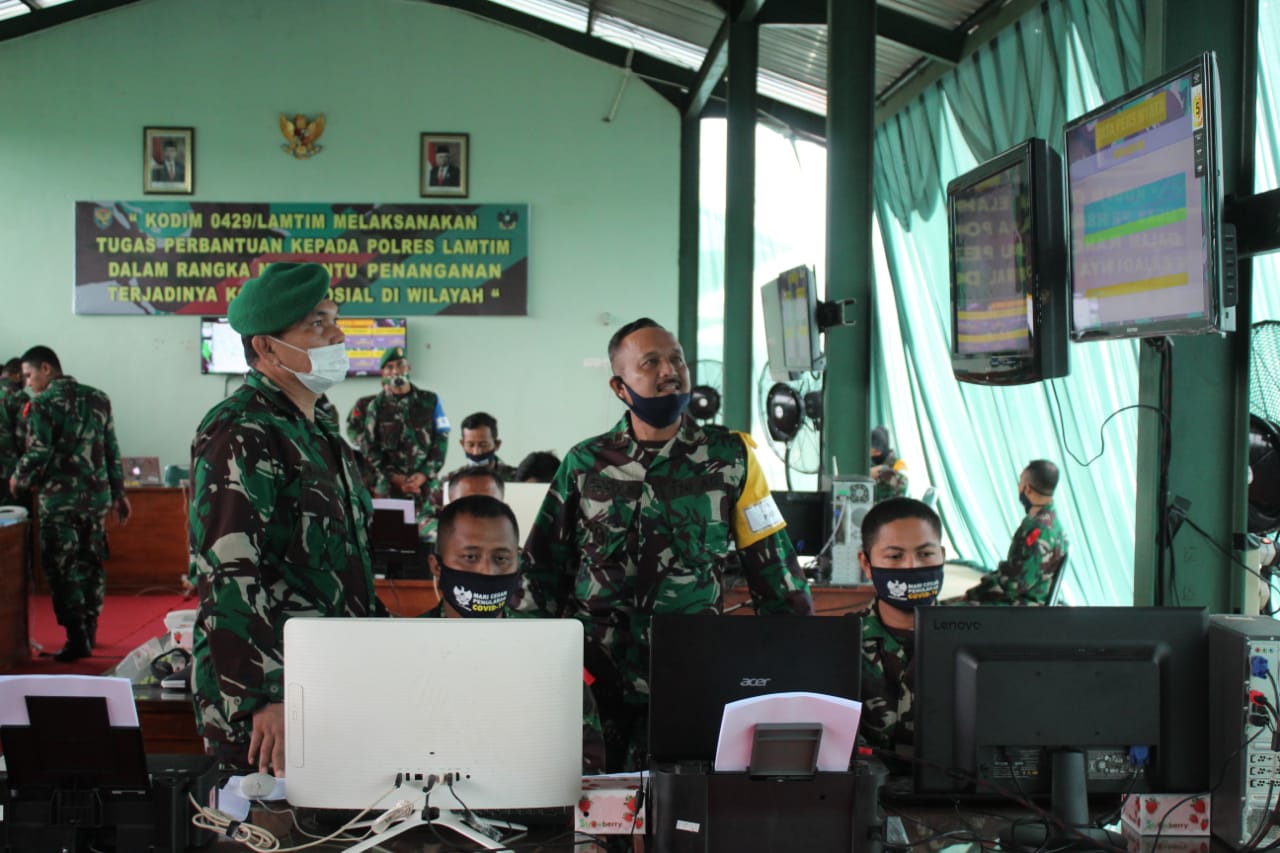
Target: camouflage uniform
[(407, 434), (628, 530), (892, 482), (13, 435), (592, 730), (888, 684), (278, 528), (356, 420), (72, 460), (1026, 575)]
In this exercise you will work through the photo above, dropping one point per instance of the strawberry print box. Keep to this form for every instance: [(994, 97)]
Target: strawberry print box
[(611, 805), (1148, 814)]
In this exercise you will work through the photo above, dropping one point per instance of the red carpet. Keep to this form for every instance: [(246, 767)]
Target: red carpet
[(127, 621)]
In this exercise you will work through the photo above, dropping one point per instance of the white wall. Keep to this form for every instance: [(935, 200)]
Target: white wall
[(603, 196)]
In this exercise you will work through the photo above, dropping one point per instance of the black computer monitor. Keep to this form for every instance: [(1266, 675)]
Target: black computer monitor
[(1058, 699), (1009, 268), (1144, 179), (808, 518)]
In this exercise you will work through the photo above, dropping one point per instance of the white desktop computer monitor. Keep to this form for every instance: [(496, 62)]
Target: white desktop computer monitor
[(496, 702)]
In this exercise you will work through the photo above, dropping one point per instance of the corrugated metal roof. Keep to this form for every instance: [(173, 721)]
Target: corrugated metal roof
[(915, 36)]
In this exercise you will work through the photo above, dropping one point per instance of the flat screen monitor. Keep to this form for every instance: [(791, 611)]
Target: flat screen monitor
[(792, 332), (698, 663), (1058, 699), (496, 702), (1008, 268), (1144, 185), (221, 350), (808, 518)]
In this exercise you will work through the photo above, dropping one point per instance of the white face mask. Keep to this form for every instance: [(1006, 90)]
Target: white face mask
[(329, 366)]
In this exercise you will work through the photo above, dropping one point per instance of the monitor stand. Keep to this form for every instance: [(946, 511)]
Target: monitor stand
[(486, 833), (1069, 827)]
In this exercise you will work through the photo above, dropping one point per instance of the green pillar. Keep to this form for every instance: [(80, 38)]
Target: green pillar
[(851, 53), (1210, 373), (687, 296), (739, 225)]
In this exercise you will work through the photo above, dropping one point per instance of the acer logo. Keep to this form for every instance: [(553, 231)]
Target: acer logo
[(957, 625), (755, 682)]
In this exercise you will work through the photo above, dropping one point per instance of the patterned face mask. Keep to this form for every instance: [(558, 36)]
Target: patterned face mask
[(475, 594), (907, 589)]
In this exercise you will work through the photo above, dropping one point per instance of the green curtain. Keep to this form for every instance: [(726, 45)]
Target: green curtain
[(1057, 61)]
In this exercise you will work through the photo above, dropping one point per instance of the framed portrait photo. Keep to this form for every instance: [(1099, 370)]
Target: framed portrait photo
[(446, 164), (168, 160)]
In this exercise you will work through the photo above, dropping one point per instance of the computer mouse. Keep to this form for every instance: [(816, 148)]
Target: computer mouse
[(255, 786)]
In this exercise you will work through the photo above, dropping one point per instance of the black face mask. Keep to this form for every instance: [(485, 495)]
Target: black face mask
[(1025, 501), (658, 412), (483, 458), (907, 589), (475, 595), (878, 458)]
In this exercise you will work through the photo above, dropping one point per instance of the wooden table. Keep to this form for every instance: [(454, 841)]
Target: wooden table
[(14, 643)]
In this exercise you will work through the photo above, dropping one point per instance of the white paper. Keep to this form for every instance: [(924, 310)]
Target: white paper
[(121, 710), (402, 504), (839, 718)]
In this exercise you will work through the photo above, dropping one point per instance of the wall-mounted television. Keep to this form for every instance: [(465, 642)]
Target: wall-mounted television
[(791, 327), (221, 350), (1144, 186), (1008, 268)]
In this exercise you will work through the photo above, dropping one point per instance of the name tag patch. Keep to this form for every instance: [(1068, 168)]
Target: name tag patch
[(762, 515)]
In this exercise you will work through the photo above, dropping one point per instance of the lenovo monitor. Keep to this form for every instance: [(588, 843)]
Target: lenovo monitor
[(1144, 178), (1070, 701), (1008, 268)]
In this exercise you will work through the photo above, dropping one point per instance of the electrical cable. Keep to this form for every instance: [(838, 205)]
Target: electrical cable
[(1232, 557), (260, 840)]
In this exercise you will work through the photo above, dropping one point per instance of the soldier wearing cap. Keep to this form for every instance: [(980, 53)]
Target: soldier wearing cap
[(646, 519), (405, 438), (889, 472), (279, 516)]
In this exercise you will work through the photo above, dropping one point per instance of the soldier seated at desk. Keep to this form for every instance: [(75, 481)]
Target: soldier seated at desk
[(902, 553)]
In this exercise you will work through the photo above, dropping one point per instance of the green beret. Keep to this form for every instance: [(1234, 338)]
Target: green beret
[(281, 296), (391, 355)]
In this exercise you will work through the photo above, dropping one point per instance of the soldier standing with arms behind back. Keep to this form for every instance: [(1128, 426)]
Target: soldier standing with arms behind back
[(406, 437), (645, 519), (279, 516), (72, 462)]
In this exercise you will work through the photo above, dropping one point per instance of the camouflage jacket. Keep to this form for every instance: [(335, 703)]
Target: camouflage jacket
[(892, 482), (356, 420), (888, 682), (592, 728), (627, 531), (408, 434), (72, 459), (1036, 555), (278, 528), (13, 432)]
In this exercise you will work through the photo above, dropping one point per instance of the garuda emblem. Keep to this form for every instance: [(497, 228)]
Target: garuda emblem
[(301, 135)]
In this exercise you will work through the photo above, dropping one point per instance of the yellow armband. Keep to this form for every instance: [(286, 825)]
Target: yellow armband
[(755, 516)]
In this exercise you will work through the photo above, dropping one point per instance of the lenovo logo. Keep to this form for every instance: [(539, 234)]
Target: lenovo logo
[(957, 625), (755, 682)]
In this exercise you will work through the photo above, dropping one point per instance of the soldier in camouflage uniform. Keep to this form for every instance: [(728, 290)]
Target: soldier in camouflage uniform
[(1039, 549), (279, 517), (406, 437), (889, 472), (12, 432), (474, 571), (72, 462), (902, 554), (646, 519), (480, 443)]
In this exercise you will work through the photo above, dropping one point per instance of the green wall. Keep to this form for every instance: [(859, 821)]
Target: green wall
[(603, 196)]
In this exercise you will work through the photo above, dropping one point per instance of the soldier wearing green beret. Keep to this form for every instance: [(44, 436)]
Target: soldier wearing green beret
[(71, 461), (279, 516), (646, 519), (405, 437)]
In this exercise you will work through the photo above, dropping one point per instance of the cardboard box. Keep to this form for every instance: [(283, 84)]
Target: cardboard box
[(611, 805), (1167, 814), (1136, 843)]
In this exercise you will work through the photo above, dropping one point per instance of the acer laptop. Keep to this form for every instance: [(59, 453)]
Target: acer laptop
[(698, 663)]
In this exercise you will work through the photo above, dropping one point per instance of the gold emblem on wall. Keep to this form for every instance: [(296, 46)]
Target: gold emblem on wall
[(301, 135)]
